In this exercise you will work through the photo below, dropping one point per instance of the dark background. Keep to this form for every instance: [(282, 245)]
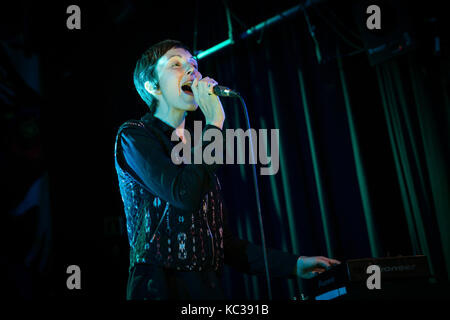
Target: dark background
[(65, 93)]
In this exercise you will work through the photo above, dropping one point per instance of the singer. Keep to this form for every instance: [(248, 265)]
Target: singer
[(177, 222)]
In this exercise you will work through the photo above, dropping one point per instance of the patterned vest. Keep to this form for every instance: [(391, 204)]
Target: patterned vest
[(161, 234)]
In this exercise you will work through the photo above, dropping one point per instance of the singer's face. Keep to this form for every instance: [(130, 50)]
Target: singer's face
[(176, 70)]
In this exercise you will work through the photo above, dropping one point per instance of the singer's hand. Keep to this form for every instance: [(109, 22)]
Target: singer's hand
[(309, 267), (208, 102)]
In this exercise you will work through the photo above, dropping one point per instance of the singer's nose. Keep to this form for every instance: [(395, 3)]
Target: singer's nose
[(195, 72), (190, 70)]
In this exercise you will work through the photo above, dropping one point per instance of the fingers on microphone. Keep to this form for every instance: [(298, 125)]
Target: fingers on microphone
[(211, 85), (207, 85)]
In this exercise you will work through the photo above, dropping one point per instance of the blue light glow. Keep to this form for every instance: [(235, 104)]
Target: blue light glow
[(332, 294)]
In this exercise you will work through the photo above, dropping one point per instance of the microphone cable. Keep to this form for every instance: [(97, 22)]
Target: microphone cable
[(258, 202)]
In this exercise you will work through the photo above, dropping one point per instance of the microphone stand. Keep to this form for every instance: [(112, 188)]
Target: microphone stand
[(258, 202)]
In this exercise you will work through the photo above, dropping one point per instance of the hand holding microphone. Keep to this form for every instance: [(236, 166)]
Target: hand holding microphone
[(208, 102)]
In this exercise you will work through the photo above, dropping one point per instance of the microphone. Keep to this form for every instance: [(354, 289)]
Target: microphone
[(222, 91)]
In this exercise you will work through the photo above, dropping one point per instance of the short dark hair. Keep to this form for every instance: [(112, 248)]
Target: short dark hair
[(146, 69)]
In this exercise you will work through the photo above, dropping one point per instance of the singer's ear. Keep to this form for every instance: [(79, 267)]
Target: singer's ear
[(151, 88)]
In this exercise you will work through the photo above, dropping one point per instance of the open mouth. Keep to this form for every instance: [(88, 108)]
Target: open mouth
[(187, 89)]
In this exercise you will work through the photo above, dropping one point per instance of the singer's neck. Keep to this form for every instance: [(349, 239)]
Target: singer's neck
[(172, 117)]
